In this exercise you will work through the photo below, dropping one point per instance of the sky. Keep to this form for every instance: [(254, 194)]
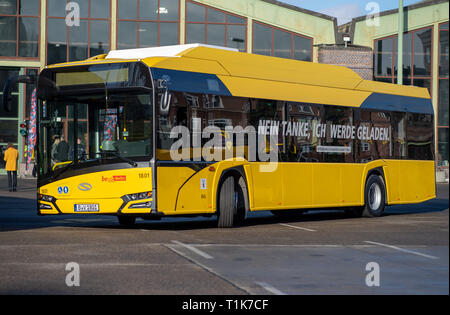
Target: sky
[(345, 10)]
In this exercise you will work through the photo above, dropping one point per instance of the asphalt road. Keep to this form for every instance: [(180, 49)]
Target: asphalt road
[(317, 253)]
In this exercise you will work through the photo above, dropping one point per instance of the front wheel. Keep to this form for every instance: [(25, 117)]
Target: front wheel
[(231, 202), (374, 196)]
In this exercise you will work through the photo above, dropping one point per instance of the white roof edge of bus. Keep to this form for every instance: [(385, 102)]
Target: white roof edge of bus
[(164, 51)]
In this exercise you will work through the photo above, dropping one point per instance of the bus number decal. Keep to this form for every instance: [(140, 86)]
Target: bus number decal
[(144, 175)]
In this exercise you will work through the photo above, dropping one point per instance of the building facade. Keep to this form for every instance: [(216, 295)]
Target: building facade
[(34, 33)]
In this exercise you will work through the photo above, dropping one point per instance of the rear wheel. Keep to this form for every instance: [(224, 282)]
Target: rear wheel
[(374, 196), (126, 220)]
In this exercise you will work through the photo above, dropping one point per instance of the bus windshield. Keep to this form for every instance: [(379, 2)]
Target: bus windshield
[(77, 132)]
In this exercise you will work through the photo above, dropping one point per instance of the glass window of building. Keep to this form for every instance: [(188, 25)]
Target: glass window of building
[(147, 23), (69, 39), (8, 120), (19, 28), (214, 27), (443, 100), (417, 58), (384, 59), (5, 73), (271, 41)]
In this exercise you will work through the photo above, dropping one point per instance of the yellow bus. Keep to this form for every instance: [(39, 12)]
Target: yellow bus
[(127, 134)]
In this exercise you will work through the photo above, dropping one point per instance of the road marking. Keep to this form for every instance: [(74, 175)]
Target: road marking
[(297, 227), (403, 250), (208, 269), (275, 245), (193, 249), (270, 288)]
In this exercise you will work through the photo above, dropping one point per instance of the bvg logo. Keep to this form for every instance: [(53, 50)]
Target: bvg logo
[(84, 187)]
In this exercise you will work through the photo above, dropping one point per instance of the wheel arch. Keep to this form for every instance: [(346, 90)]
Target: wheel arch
[(379, 171), (236, 172)]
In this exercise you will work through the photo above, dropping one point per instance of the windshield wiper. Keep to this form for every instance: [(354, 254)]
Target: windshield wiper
[(131, 162)]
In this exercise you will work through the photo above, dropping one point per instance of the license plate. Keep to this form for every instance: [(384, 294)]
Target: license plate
[(86, 208)]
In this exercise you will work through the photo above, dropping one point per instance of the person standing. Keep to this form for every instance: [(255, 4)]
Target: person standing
[(10, 157)]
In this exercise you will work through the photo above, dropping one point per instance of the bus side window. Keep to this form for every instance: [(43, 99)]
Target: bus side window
[(301, 143), (419, 136), (338, 147), (398, 124), (176, 116), (372, 149)]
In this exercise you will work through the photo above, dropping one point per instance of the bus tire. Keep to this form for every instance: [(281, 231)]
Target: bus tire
[(241, 195), (232, 209), (374, 196), (126, 220), (226, 203)]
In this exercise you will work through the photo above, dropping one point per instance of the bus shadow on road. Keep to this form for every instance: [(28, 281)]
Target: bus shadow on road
[(434, 205), (21, 214), (267, 218)]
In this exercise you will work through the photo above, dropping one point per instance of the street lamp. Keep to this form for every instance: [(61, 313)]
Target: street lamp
[(347, 39)]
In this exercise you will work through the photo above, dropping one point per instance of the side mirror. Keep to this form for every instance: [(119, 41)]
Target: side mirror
[(46, 87), (10, 84), (165, 97)]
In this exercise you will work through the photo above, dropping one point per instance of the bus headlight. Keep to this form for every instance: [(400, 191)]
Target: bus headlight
[(46, 198), (139, 196)]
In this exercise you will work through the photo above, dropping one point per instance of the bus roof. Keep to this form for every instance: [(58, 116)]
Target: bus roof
[(258, 76)]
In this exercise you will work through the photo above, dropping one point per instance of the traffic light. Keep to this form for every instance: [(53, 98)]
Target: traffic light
[(24, 128)]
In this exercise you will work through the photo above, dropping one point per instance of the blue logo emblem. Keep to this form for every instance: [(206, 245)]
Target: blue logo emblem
[(84, 186)]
